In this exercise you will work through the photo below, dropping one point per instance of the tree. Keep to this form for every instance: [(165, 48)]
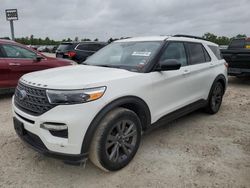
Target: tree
[(85, 39), (210, 36), (76, 39), (96, 39), (240, 36)]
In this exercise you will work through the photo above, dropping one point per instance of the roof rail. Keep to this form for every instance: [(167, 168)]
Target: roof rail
[(189, 36)]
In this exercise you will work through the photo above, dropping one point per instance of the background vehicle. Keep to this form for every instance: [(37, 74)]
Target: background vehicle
[(17, 60), (78, 51), (238, 57), (51, 48), (42, 49), (100, 109)]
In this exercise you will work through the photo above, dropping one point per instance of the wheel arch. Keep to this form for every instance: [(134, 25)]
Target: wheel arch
[(220, 78), (133, 103)]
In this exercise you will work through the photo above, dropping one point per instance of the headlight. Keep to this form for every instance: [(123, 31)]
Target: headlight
[(74, 96)]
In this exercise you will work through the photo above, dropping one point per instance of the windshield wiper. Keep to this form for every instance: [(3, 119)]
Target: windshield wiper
[(110, 66)]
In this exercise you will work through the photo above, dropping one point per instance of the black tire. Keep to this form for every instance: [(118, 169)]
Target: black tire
[(116, 140), (215, 98)]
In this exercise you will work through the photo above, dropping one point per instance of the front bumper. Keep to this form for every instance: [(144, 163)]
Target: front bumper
[(36, 143), (76, 117)]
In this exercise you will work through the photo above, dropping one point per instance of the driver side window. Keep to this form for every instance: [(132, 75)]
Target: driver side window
[(13, 51), (175, 50)]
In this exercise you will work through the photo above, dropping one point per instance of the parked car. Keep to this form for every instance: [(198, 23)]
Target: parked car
[(100, 109), (51, 48), (42, 49), (78, 51), (17, 60), (237, 55)]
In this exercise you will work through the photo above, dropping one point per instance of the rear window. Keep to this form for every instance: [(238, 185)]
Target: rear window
[(247, 44), (89, 47), (65, 47), (198, 53), (237, 43), (216, 51)]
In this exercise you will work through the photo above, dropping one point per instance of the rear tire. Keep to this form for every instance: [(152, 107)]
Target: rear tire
[(215, 98), (116, 140)]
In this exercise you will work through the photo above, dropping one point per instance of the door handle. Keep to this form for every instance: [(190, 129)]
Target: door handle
[(186, 71), (14, 64), (211, 65)]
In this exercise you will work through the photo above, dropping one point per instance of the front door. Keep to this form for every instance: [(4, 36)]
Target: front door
[(169, 89)]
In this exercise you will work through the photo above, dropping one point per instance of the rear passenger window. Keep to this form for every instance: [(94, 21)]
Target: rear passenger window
[(89, 47), (216, 51), (237, 43), (197, 53)]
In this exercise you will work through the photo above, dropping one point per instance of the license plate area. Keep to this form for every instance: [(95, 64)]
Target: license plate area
[(18, 126)]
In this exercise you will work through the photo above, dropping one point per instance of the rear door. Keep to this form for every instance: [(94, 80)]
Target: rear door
[(83, 51), (20, 61), (199, 71)]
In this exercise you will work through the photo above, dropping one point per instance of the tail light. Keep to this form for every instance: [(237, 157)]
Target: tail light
[(226, 64), (70, 54)]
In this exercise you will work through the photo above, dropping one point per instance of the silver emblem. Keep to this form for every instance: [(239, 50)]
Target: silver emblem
[(22, 94)]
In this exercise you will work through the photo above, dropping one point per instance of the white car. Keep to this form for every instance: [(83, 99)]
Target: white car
[(100, 109)]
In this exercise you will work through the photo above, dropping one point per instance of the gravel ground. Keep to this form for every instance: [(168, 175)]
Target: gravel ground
[(198, 150)]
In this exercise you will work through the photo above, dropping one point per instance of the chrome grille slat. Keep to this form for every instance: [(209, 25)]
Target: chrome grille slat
[(35, 102)]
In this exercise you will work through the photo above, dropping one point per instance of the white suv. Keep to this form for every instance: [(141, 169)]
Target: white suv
[(100, 109)]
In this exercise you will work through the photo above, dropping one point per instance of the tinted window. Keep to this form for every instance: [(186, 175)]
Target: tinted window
[(216, 51), (237, 43), (207, 56), (65, 47), (89, 47), (175, 50), (1, 52), (197, 53), (13, 51)]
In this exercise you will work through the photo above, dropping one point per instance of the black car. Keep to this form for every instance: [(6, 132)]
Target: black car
[(78, 51), (237, 55)]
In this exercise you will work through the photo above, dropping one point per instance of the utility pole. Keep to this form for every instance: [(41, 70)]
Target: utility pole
[(11, 15)]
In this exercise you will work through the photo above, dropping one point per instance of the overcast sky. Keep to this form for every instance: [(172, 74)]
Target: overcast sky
[(116, 18)]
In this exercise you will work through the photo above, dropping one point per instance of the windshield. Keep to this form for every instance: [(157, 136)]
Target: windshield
[(128, 55)]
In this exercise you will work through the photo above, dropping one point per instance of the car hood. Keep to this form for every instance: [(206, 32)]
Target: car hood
[(75, 77)]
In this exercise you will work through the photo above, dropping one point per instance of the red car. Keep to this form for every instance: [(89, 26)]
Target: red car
[(17, 60)]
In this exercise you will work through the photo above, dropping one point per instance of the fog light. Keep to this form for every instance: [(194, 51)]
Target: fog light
[(54, 126)]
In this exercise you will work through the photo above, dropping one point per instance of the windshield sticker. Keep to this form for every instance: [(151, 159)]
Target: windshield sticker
[(146, 54)]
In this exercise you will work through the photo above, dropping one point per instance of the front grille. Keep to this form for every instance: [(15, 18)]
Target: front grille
[(32, 100)]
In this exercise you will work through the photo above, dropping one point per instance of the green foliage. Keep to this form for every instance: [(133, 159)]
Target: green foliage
[(221, 40), (36, 41)]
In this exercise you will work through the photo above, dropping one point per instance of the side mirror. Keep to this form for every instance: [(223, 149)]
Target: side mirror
[(38, 58), (169, 64)]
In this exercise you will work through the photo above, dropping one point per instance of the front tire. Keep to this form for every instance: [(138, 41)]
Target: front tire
[(116, 140), (215, 98)]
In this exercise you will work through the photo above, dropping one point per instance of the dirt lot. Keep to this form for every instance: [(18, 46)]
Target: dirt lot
[(197, 150)]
